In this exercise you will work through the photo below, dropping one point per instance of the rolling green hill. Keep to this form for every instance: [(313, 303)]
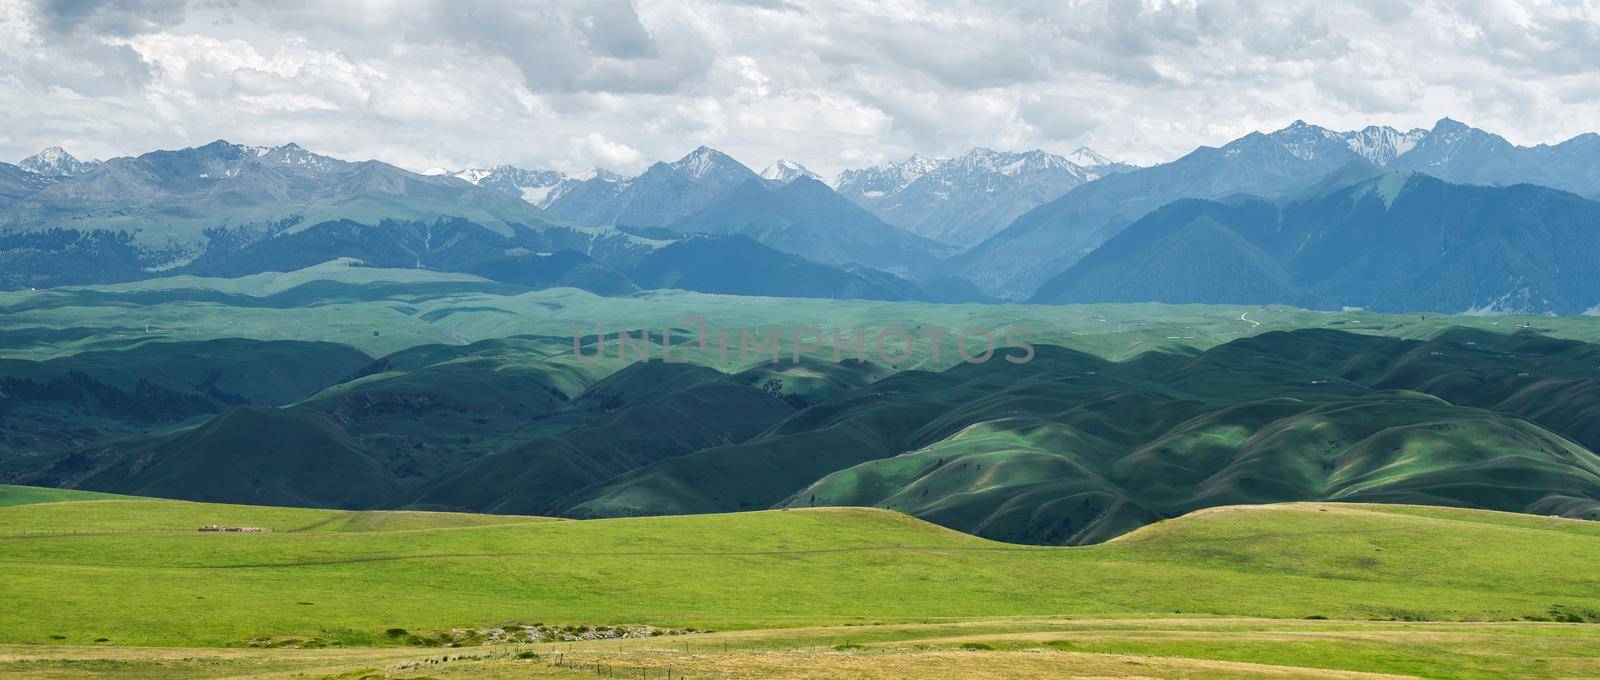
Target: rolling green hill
[(639, 415), (1072, 449), (147, 383), (137, 573), (1127, 414), (28, 495)]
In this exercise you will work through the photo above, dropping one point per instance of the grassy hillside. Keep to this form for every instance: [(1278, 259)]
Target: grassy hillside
[(1071, 448), (28, 495), (381, 311), (136, 573), (143, 384), (1127, 414)]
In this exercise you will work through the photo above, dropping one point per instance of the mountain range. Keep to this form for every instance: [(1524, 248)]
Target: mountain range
[(533, 186), (230, 210), (963, 200), (1394, 241), (984, 224), (784, 171), (664, 193), (175, 197), (56, 163), (1050, 238), (806, 218), (957, 201)]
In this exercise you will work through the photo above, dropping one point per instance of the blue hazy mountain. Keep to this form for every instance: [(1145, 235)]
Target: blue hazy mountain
[(55, 162), (963, 200), (737, 265), (804, 217), (1052, 237), (664, 193), (17, 183), (1394, 242), (202, 206), (231, 209), (533, 186), (172, 197), (1460, 153)]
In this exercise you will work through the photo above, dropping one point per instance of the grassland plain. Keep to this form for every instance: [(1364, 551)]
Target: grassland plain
[(381, 311), (1227, 592)]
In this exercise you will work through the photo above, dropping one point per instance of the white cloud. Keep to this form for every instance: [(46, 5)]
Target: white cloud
[(604, 152), (573, 84)]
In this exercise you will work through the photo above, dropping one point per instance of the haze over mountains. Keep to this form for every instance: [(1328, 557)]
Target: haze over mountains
[(1393, 241), (1051, 238), (966, 199), (997, 224)]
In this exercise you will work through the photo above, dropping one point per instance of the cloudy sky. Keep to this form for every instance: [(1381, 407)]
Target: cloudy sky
[(830, 83)]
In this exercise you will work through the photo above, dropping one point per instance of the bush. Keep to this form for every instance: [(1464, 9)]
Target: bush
[(1567, 614)]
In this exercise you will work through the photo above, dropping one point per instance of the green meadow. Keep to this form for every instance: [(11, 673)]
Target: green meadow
[(450, 392), (381, 311), (757, 569), (1346, 584)]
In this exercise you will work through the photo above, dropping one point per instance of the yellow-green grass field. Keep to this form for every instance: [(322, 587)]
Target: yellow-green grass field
[(125, 587)]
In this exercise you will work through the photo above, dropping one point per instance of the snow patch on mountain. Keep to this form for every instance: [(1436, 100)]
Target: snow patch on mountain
[(699, 163), (1086, 157), (532, 186), (882, 180), (785, 171), (1381, 143), (292, 154), (56, 162)]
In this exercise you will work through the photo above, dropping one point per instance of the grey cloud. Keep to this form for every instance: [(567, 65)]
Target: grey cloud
[(1062, 116), (569, 82), (611, 28), (568, 46), (70, 49), (113, 18), (88, 68)]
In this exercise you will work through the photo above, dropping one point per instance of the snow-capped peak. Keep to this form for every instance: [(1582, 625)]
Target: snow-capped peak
[(293, 154), (881, 180), (984, 161), (700, 162), (1086, 157), (56, 162), (1381, 143), (786, 171), (473, 175), (1304, 140), (601, 174)]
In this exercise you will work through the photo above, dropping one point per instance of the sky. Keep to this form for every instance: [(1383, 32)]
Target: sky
[(832, 84)]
